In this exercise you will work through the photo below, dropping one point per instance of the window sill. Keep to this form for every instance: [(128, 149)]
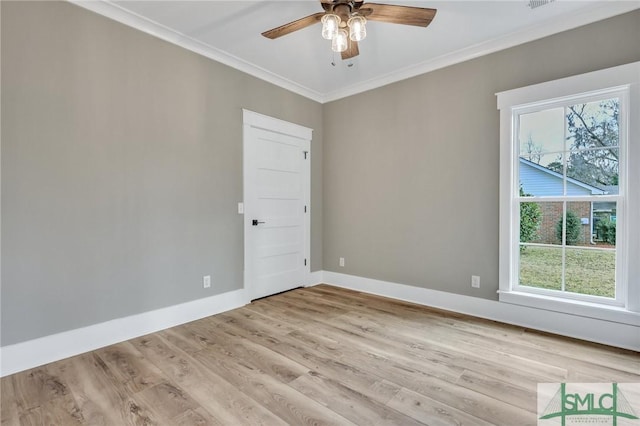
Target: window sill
[(571, 307)]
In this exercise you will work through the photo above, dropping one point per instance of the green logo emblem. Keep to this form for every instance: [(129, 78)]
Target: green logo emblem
[(582, 406)]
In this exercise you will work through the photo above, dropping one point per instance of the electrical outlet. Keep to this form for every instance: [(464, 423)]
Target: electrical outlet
[(475, 281), (206, 281), (342, 262)]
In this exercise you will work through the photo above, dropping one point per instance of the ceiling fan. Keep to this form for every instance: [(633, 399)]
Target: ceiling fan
[(343, 22)]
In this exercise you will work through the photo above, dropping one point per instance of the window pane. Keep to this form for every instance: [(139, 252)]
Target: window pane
[(542, 177), (541, 267), (593, 124), (578, 228), (541, 132), (605, 220), (593, 172), (590, 271), (538, 222)]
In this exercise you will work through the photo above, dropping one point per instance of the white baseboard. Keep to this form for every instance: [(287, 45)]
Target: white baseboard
[(315, 278), (33, 353), (591, 329)]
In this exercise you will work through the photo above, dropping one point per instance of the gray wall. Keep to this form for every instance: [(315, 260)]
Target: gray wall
[(122, 167), (121, 170), (411, 169)]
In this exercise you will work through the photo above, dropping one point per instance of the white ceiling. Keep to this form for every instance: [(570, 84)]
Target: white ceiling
[(229, 31)]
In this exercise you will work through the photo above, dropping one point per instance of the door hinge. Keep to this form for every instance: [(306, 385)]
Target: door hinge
[(305, 262), (305, 154), (305, 209)]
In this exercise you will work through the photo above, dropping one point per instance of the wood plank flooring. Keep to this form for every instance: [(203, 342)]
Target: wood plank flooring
[(317, 356)]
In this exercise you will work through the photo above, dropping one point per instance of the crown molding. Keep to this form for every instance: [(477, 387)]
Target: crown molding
[(113, 11), (599, 12)]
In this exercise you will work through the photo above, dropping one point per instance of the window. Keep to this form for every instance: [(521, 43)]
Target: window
[(569, 200), (569, 164)]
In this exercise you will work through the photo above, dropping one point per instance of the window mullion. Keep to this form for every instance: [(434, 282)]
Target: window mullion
[(565, 165)]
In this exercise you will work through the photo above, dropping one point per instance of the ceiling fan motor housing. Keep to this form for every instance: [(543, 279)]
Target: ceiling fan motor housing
[(344, 11)]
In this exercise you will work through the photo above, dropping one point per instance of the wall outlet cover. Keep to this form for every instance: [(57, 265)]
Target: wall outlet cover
[(475, 281)]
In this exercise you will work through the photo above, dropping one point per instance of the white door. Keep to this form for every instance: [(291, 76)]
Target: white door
[(276, 204)]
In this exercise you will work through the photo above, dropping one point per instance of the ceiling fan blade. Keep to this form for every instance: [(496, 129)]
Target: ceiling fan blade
[(351, 51), (293, 26), (406, 15)]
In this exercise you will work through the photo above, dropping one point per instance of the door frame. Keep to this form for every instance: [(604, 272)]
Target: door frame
[(251, 119)]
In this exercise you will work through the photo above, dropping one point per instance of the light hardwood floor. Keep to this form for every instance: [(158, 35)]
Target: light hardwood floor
[(316, 356)]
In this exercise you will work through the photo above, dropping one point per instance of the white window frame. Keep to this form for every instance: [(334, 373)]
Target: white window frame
[(624, 82)]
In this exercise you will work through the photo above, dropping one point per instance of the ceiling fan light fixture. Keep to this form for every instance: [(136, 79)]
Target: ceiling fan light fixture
[(344, 22), (340, 42), (330, 26), (357, 28)]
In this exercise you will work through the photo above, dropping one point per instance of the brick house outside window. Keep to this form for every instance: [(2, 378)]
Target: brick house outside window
[(537, 180)]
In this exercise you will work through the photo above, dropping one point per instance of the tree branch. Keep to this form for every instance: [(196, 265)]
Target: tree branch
[(593, 135)]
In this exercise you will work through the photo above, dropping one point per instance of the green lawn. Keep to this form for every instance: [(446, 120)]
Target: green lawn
[(587, 271)]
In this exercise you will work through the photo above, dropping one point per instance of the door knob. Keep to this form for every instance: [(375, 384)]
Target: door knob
[(255, 222)]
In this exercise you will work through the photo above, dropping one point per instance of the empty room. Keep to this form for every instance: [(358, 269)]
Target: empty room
[(323, 212)]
